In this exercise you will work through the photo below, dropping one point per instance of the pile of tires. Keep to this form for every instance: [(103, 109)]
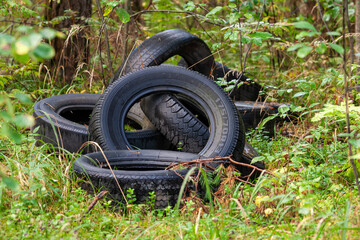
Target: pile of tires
[(177, 115)]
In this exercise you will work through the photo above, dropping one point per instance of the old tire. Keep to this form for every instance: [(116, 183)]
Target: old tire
[(144, 171), (253, 113), (246, 157), (179, 124), (106, 125), (164, 45), (176, 122), (249, 89), (62, 121)]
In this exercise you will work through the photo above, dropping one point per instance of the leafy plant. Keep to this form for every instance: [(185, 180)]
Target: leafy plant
[(27, 44), (305, 48)]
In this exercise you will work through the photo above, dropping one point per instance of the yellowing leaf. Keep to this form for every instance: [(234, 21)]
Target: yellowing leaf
[(107, 11), (258, 201), (21, 48), (268, 211)]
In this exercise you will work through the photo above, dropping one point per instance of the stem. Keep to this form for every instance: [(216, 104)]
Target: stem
[(127, 4), (106, 36), (351, 39), (247, 52), (321, 15), (350, 153)]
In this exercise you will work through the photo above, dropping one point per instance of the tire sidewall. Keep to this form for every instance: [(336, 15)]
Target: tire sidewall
[(124, 93)]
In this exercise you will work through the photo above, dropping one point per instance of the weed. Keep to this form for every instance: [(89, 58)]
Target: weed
[(311, 194)]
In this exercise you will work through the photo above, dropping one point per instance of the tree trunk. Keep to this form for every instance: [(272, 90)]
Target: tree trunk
[(292, 8), (306, 8), (74, 49)]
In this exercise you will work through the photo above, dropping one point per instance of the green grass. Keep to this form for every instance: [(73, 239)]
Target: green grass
[(311, 196)]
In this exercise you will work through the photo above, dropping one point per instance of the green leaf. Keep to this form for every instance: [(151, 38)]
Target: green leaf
[(261, 35), (21, 58), (23, 98), (304, 25), (11, 134), (257, 159), (337, 48), (34, 39), (48, 33), (304, 211), (295, 47), (333, 33), (232, 5), (229, 88), (234, 17), (269, 118), (216, 46), (5, 115), (355, 143), (214, 11), (44, 51), (123, 15), (303, 34), (113, 3), (60, 34), (25, 29), (283, 109), (265, 58), (24, 120), (190, 6), (9, 182), (257, 41), (326, 17), (245, 39), (321, 49), (299, 94), (304, 51), (5, 44)]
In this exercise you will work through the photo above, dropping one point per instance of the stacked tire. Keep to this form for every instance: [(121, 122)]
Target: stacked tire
[(179, 114)]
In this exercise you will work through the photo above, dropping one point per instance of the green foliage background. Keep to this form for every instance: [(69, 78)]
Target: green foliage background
[(296, 58)]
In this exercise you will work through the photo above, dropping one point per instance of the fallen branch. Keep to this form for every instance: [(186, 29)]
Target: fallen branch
[(96, 199)]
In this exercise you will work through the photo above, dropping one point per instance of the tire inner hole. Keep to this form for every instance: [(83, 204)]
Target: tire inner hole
[(78, 115), (81, 115)]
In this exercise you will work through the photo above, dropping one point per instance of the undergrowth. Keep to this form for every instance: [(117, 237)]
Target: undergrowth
[(311, 191), (311, 195)]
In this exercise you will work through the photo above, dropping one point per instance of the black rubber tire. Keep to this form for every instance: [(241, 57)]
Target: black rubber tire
[(160, 47), (179, 124), (144, 171), (248, 91), (106, 125), (253, 113), (164, 45), (63, 119), (182, 128), (246, 157)]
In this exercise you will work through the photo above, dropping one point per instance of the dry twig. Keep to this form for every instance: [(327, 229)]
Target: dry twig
[(96, 199)]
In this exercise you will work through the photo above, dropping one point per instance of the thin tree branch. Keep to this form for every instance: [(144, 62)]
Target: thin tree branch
[(351, 40), (321, 15), (248, 51), (106, 36), (127, 7), (350, 153)]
